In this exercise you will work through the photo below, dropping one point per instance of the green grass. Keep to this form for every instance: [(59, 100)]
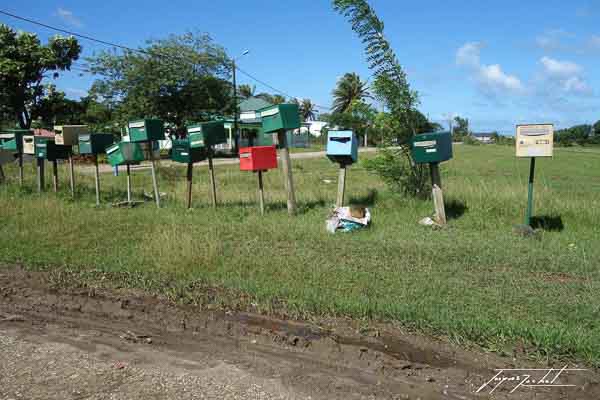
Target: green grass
[(474, 281)]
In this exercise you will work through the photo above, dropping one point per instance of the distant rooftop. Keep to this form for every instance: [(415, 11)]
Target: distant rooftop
[(253, 104)]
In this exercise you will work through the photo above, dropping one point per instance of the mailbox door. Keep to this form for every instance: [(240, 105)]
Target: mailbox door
[(535, 140), (259, 158), (56, 151), (40, 144), (94, 143), (432, 147), (280, 117), (29, 145), (146, 130)]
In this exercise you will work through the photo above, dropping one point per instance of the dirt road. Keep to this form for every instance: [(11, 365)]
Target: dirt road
[(98, 344)]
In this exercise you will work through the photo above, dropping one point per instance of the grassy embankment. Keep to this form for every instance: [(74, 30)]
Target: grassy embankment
[(473, 281)]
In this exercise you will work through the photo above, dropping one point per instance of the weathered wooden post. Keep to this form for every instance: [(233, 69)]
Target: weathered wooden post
[(280, 119), (258, 159), (95, 144)]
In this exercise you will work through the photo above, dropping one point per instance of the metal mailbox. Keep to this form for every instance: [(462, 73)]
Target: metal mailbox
[(125, 153), (207, 134), (183, 152), (433, 147), (12, 139), (535, 140), (68, 135), (94, 143), (280, 117), (46, 148), (342, 147), (29, 144), (146, 130), (258, 158)]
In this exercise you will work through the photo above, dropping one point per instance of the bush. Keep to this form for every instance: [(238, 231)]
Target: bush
[(395, 167)]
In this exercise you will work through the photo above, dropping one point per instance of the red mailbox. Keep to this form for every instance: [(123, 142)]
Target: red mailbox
[(259, 158)]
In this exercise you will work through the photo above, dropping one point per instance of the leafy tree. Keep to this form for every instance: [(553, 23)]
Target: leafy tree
[(461, 129), (271, 98), (246, 91), (597, 128), (54, 108), (178, 79), (24, 64), (391, 87), (359, 117), (349, 89), (307, 110), (578, 134)]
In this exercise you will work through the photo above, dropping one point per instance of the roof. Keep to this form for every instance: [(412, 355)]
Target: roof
[(482, 134), (253, 104)]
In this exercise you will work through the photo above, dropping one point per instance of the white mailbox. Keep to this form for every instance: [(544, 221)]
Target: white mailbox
[(536, 140)]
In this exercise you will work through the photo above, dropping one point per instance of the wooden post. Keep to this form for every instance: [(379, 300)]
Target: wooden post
[(154, 180), (2, 176), (55, 175), (71, 175), (261, 193), (287, 171), (128, 184), (437, 194), (97, 180), (40, 172), (21, 169), (211, 173), (341, 186), (190, 172)]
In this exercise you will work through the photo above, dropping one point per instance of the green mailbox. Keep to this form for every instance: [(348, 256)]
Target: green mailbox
[(183, 152), (94, 143), (12, 139), (146, 130), (433, 147), (280, 117), (207, 134), (123, 153), (46, 148)]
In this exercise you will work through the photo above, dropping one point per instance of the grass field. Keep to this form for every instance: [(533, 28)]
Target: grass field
[(474, 281)]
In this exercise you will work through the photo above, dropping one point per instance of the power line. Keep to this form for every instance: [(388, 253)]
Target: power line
[(123, 47)]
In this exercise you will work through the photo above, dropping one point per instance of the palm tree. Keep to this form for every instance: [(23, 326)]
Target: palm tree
[(246, 91), (350, 88), (307, 110)]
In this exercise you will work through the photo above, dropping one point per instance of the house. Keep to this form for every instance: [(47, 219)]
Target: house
[(485, 138)]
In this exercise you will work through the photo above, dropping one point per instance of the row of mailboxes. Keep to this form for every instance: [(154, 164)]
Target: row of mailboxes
[(342, 147), (146, 130), (258, 158), (432, 147), (280, 117), (123, 153)]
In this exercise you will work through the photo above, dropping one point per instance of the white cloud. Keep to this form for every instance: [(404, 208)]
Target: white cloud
[(68, 17), (594, 42), (565, 75), (560, 69), (553, 39), (491, 79)]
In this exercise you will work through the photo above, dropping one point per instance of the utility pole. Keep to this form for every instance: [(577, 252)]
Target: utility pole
[(235, 108)]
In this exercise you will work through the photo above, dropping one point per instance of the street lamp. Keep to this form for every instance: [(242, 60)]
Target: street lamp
[(235, 102)]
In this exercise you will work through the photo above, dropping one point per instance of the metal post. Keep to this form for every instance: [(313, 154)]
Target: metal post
[(71, 175), (261, 193), (97, 179), (287, 171), (190, 172), (235, 108), (154, 180), (211, 173), (55, 175), (128, 184), (40, 173), (530, 193), (21, 169), (341, 186)]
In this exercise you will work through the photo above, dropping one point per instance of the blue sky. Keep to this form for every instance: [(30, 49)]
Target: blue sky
[(497, 63)]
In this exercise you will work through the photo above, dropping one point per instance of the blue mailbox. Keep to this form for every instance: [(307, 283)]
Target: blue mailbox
[(342, 147)]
